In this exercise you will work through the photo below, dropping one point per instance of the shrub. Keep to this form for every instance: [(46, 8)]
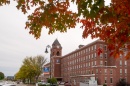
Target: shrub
[(104, 85), (41, 84)]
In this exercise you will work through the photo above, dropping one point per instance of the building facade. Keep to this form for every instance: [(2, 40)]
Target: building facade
[(83, 63)]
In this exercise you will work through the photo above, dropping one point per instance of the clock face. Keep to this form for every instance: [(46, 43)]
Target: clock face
[(58, 46)]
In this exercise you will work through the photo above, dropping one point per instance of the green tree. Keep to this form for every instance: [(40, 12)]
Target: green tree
[(122, 82), (1, 76), (31, 68), (52, 80)]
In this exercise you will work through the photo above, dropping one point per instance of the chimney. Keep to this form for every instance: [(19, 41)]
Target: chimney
[(80, 46)]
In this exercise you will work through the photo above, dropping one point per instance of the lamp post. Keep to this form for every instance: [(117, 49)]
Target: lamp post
[(46, 51)]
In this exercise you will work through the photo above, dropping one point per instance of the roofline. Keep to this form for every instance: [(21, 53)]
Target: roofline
[(98, 40)]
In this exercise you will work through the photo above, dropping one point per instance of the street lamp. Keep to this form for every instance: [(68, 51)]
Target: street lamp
[(46, 51)]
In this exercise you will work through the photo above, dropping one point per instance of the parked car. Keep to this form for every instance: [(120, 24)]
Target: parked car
[(40, 83), (9, 85)]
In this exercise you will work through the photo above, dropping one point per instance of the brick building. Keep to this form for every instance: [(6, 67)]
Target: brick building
[(83, 63)]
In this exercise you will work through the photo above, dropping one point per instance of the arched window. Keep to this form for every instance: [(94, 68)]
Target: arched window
[(58, 53)]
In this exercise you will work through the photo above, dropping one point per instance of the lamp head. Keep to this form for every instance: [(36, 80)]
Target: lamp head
[(46, 51)]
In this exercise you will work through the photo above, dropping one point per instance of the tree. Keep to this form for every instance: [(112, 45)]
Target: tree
[(52, 80), (31, 69), (122, 82), (1, 76), (108, 23)]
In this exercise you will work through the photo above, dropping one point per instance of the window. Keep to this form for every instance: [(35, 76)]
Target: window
[(92, 71), (101, 55), (111, 71), (120, 55), (92, 63), (95, 55), (125, 71), (92, 56), (105, 47), (120, 71), (111, 80), (86, 50), (95, 47), (89, 49), (125, 63), (101, 63), (97, 71), (105, 79), (89, 57), (96, 78), (89, 72), (57, 61), (92, 48), (120, 63), (95, 63), (105, 63), (89, 64), (105, 55), (105, 71)]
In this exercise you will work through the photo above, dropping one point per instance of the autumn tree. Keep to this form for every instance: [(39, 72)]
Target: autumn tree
[(108, 23)]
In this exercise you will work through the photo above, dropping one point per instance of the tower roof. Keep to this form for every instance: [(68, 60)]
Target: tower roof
[(56, 42)]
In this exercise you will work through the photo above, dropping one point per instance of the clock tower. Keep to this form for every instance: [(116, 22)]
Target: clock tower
[(56, 55), (56, 49)]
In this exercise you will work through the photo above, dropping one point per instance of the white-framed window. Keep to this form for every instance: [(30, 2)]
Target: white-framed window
[(120, 71), (95, 63), (86, 50), (111, 71), (97, 71), (120, 62), (95, 47), (125, 63), (86, 57), (125, 71), (101, 62), (86, 64), (89, 49), (92, 47), (95, 55), (89, 57), (89, 64), (101, 55), (92, 63), (105, 71)]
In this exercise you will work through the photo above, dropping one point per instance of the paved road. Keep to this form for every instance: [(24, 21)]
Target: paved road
[(24, 85)]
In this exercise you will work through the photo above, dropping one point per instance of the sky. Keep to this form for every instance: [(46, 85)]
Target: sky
[(16, 43)]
